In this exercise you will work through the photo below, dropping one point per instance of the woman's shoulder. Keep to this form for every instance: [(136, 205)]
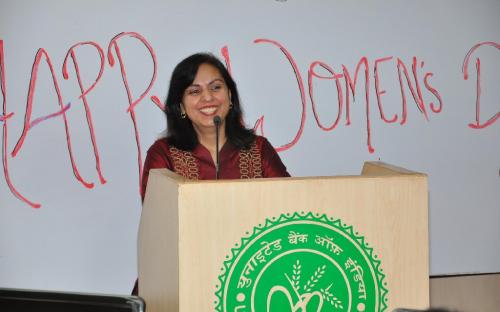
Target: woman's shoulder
[(264, 146), (159, 145), (271, 162), (158, 155), (261, 142)]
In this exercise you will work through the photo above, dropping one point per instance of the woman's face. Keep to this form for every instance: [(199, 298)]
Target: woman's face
[(206, 97)]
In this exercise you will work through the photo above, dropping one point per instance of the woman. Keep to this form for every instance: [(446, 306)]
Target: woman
[(200, 89)]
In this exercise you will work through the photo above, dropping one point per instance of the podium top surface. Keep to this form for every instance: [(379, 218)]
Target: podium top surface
[(370, 169)]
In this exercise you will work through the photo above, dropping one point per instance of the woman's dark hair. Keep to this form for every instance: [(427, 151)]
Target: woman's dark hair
[(180, 131)]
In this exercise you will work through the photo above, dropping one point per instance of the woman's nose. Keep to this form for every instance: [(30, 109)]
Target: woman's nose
[(207, 95)]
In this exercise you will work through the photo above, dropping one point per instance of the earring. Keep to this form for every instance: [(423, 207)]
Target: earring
[(230, 105), (183, 113)]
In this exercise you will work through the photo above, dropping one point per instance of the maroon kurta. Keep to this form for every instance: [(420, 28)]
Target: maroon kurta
[(260, 161)]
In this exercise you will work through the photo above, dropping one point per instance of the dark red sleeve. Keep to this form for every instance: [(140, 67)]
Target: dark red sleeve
[(156, 158), (272, 166)]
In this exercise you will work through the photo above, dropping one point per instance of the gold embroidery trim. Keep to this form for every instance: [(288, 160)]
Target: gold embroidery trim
[(250, 163), (184, 163)]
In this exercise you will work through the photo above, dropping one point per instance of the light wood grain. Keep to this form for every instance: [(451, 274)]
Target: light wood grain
[(158, 244), (388, 209)]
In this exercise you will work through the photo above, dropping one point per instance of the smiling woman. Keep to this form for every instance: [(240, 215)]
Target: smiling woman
[(200, 89), (207, 97)]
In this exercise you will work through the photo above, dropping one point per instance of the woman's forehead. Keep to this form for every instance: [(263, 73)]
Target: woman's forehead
[(207, 71), (207, 74)]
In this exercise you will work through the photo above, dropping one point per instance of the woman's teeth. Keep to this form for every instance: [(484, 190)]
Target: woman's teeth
[(208, 110)]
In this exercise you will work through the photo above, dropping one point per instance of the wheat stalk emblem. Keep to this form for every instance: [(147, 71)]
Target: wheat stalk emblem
[(296, 275), (311, 283), (330, 298), (313, 280)]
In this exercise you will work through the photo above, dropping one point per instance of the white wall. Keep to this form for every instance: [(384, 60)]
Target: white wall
[(83, 239)]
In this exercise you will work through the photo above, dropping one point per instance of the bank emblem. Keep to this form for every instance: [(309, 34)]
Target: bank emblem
[(302, 262)]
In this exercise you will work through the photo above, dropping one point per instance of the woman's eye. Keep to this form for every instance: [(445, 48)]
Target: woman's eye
[(193, 92), (216, 87)]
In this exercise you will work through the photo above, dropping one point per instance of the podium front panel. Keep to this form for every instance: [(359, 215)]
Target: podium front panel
[(355, 243)]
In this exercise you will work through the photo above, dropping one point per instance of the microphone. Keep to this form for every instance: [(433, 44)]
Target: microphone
[(217, 122)]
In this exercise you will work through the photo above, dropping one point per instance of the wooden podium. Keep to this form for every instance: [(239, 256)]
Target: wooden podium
[(346, 243)]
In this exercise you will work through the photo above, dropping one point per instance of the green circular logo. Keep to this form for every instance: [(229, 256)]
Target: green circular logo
[(302, 262)]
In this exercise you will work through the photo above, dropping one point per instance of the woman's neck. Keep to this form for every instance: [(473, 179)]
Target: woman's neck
[(207, 138)]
